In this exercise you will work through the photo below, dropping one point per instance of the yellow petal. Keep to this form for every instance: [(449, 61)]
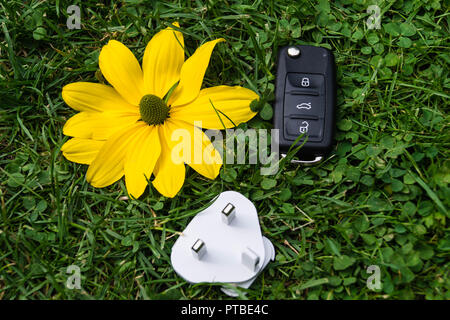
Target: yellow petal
[(88, 96), (230, 102), (120, 67), (163, 58), (108, 166), (98, 125), (192, 73), (141, 159), (81, 150), (198, 152), (169, 176)]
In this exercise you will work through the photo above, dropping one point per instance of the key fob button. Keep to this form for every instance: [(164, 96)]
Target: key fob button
[(303, 106), (296, 127), (298, 81)]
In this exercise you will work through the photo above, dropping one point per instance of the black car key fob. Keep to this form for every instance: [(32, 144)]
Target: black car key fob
[(305, 101)]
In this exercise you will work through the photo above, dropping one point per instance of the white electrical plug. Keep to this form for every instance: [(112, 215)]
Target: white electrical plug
[(223, 244)]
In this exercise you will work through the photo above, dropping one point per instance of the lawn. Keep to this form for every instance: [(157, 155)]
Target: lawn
[(381, 198)]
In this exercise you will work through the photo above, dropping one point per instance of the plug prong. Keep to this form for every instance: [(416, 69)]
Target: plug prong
[(228, 213), (250, 259), (198, 249)]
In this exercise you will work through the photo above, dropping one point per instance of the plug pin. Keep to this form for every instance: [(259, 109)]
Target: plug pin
[(198, 249), (250, 259), (228, 213)]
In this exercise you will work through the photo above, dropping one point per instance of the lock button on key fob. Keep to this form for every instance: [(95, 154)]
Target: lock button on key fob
[(305, 99)]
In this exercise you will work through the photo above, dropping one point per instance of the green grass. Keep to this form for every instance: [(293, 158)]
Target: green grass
[(380, 199)]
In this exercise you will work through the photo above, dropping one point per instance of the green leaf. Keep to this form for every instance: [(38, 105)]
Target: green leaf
[(285, 194), (313, 283), (426, 252), (29, 202), (409, 208), (407, 29), (361, 223), (377, 204), (373, 150), (256, 105), (323, 6), (391, 59), (366, 50), (404, 42), (332, 246), (408, 179), (353, 173), (342, 262), (395, 151), (15, 180), (322, 19), (357, 35), (128, 240), (268, 183), (367, 180), (444, 244), (368, 238), (377, 61), (41, 206), (387, 253), (407, 275), (39, 33), (378, 48), (387, 142), (317, 36), (158, 206), (345, 124), (267, 112), (334, 281), (392, 28), (400, 228), (288, 208), (397, 185), (336, 26), (229, 174), (346, 32), (349, 281), (372, 38)]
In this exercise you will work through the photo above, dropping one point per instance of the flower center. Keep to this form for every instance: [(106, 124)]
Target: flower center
[(153, 110)]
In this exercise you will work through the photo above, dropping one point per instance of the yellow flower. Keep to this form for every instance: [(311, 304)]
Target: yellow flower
[(126, 128)]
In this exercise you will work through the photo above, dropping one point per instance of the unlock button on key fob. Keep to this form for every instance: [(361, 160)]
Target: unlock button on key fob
[(311, 128)]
